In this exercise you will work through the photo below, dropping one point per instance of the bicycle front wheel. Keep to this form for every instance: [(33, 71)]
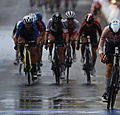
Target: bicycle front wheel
[(111, 91), (57, 67), (115, 90), (27, 66), (87, 66)]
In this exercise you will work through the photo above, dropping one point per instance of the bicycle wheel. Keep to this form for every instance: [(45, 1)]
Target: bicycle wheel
[(20, 68), (28, 67), (87, 66), (57, 66), (115, 90), (68, 62), (111, 89)]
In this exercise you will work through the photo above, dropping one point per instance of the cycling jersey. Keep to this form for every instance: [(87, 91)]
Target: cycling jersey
[(60, 27), (15, 27), (40, 26), (74, 28), (107, 36), (43, 25), (26, 34), (91, 31), (95, 27)]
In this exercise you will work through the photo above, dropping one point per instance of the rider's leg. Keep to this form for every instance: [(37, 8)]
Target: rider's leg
[(41, 51), (21, 47), (38, 57), (33, 54), (62, 57), (94, 55), (83, 46), (73, 44), (52, 39), (108, 72), (82, 51)]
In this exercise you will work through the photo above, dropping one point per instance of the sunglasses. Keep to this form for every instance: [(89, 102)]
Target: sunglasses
[(70, 18)]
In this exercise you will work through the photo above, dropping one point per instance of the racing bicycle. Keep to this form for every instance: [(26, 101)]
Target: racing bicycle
[(56, 65), (27, 61), (88, 64), (69, 59), (114, 83)]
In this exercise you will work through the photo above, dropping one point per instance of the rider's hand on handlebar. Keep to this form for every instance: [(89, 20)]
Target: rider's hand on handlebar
[(15, 47), (104, 59)]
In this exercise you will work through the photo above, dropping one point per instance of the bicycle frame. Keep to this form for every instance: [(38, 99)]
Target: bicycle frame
[(29, 57), (27, 60), (88, 65), (56, 66), (114, 83)]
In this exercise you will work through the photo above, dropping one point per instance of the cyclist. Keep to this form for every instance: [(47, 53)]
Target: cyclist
[(89, 27), (27, 30), (17, 51), (110, 36), (96, 9), (54, 31), (39, 17), (41, 32), (73, 28)]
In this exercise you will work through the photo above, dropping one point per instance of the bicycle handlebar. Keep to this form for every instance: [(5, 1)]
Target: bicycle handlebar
[(25, 42), (84, 42)]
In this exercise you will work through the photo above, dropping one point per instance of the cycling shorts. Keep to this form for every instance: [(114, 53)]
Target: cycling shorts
[(58, 37), (110, 49), (93, 38)]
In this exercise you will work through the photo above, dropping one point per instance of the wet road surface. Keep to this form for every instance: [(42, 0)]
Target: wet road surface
[(44, 96)]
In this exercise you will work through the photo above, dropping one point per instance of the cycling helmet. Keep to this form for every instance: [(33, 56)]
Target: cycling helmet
[(70, 14), (34, 17), (115, 26), (27, 20), (89, 18), (56, 17), (96, 3), (39, 16)]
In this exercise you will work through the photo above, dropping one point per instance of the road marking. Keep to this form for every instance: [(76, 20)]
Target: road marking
[(100, 112)]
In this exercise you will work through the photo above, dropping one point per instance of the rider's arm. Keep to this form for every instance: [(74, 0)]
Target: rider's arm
[(14, 31), (46, 36), (101, 42), (67, 37)]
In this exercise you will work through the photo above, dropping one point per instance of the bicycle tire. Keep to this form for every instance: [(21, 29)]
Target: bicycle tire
[(88, 68), (57, 70), (114, 91), (28, 77), (111, 88), (28, 67), (20, 68), (68, 62)]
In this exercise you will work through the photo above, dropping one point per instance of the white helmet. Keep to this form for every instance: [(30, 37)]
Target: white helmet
[(115, 26), (27, 20), (70, 14), (34, 17)]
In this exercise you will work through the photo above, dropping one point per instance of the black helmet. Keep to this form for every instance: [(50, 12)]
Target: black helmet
[(89, 18), (56, 17)]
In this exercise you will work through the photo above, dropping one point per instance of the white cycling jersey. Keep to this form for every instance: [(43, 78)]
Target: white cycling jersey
[(107, 36), (55, 28), (74, 28)]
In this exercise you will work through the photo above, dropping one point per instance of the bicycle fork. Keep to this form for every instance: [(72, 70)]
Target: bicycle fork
[(28, 61)]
